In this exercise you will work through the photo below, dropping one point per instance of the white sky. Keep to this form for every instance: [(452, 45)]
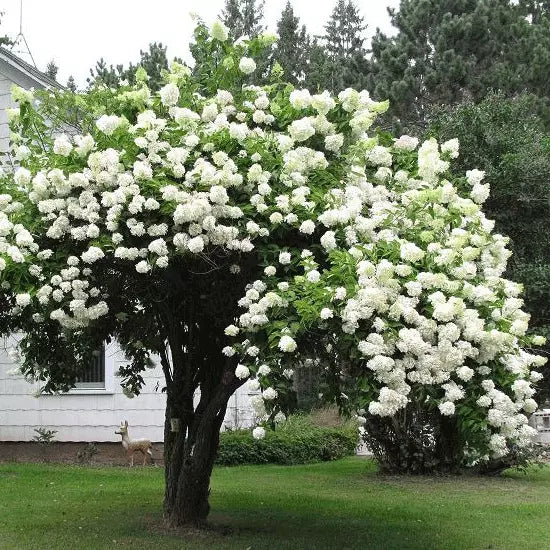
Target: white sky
[(76, 33)]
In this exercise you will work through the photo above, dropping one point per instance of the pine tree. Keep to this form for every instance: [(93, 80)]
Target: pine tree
[(51, 69), (243, 17), (290, 51), (344, 42), (4, 40), (536, 10), (153, 60), (108, 75), (253, 14), (320, 68), (343, 31), (71, 84), (447, 51), (535, 58), (232, 17)]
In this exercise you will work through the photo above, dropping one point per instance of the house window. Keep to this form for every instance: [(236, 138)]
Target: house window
[(94, 376)]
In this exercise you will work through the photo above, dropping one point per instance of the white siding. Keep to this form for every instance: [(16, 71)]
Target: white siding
[(93, 415), (8, 77), (5, 102), (81, 415)]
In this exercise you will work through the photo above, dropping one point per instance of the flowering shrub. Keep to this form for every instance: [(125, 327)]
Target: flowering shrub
[(237, 231)]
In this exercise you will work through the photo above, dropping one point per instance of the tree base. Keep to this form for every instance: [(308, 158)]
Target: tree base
[(415, 443), (191, 530), (174, 521)]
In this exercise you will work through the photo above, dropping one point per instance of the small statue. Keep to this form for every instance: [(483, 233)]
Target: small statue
[(131, 445)]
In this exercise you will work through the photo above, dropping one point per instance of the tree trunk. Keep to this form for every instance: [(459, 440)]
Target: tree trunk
[(192, 323), (191, 485), (448, 446), (415, 441), (189, 455)]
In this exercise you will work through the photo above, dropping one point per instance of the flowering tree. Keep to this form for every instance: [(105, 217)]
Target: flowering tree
[(235, 231)]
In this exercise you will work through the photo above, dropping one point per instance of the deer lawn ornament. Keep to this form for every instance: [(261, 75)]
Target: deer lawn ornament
[(131, 445)]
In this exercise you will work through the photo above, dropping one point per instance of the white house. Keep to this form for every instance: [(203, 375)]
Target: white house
[(92, 410), (14, 70)]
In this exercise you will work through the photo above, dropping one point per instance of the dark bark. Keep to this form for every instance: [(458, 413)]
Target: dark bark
[(415, 442), (190, 452), (191, 318), (449, 446)]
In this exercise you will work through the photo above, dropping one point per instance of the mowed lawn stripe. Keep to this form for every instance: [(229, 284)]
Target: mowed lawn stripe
[(342, 505)]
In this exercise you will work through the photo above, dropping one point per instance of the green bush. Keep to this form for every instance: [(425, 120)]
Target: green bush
[(295, 441)]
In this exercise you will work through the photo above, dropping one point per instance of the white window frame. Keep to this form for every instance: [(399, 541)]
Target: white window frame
[(109, 386)]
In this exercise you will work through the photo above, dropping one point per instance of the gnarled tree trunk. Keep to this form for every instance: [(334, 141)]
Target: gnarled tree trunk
[(192, 321), (191, 443)]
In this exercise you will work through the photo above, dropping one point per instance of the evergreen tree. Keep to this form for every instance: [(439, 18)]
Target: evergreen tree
[(231, 16), (290, 51), (71, 84), (51, 69), (536, 10), (320, 68), (4, 40), (343, 31), (447, 51), (243, 17), (153, 60), (344, 43), (108, 75), (535, 58)]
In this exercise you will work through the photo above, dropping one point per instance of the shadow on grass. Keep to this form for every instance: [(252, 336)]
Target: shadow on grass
[(343, 505), (277, 529)]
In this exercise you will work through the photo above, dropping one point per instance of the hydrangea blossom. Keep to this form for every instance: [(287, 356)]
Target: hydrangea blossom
[(359, 251), (247, 65)]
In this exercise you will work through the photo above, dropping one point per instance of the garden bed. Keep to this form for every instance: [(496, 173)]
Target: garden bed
[(68, 453)]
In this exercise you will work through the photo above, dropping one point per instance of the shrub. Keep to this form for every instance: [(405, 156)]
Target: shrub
[(295, 441), (44, 436), (507, 139), (415, 441)]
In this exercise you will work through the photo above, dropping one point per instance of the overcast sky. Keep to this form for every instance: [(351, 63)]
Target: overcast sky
[(76, 33)]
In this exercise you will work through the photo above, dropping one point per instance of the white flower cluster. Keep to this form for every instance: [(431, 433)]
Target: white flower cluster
[(401, 264), (439, 279)]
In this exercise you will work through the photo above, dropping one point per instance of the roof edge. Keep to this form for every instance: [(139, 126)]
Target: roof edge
[(26, 68)]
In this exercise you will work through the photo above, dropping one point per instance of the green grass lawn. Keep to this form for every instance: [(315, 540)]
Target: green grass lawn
[(339, 505)]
